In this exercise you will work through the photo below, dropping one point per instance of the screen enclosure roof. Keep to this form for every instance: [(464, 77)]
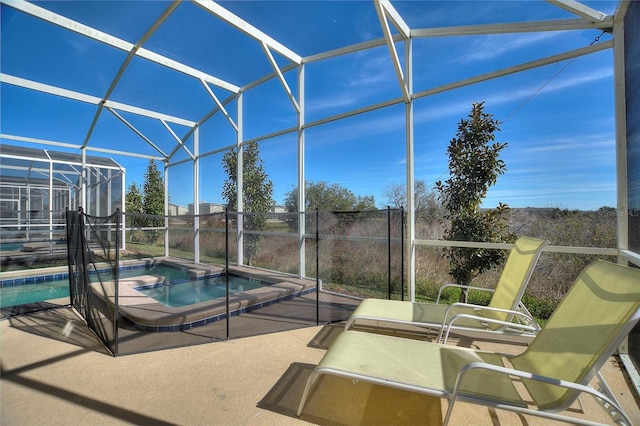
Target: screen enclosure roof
[(136, 77)]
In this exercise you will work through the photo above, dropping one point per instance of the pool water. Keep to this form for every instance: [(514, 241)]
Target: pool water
[(55, 289), (32, 293), (190, 292), (11, 246)]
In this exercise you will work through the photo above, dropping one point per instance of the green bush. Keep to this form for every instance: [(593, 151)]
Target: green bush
[(539, 308), (477, 297)]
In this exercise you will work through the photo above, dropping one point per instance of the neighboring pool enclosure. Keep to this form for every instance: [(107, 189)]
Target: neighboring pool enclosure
[(363, 94)]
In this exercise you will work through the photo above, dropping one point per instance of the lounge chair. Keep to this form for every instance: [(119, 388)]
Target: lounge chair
[(598, 311), (505, 313)]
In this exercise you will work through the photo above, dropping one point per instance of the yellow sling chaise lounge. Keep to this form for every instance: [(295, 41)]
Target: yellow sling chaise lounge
[(505, 313), (598, 311)]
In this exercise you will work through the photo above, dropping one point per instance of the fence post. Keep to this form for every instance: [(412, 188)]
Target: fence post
[(389, 250), (317, 266), (402, 253), (117, 280), (226, 264)]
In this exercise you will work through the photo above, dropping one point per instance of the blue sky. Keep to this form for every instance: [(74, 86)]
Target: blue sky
[(558, 120)]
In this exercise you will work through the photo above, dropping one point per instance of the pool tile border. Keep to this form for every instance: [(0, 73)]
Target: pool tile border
[(11, 282)]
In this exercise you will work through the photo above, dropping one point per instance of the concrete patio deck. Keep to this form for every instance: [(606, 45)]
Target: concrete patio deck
[(55, 372)]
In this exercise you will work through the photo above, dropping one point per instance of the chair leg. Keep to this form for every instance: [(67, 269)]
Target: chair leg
[(616, 416), (310, 382)]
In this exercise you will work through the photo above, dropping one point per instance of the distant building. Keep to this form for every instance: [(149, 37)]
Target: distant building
[(276, 216), (176, 210), (207, 208)]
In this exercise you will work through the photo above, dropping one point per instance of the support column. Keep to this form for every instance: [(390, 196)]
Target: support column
[(196, 194), (240, 191), (123, 224), (83, 191), (301, 175), (411, 205), (165, 179), (621, 134), (50, 202)]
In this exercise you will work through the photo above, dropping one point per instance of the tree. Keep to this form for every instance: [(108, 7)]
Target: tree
[(474, 166), (257, 195), (134, 203), (427, 205), (328, 197), (153, 195)]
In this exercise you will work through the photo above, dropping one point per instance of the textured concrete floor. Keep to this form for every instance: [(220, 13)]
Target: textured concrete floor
[(55, 372)]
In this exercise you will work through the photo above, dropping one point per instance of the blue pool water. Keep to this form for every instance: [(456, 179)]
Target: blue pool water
[(31, 293), (190, 292), (10, 246), (38, 290)]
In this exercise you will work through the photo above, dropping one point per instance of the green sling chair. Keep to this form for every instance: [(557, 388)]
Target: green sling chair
[(505, 313), (586, 328)]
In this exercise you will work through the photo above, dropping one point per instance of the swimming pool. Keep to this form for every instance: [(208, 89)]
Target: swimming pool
[(20, 291), (190, 292)]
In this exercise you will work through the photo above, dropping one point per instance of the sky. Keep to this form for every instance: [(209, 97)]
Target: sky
[(557, 120)]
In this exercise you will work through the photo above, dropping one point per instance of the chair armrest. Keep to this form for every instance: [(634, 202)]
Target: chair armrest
[(479, 308), (533, 329), (527, 375), (468, 287)]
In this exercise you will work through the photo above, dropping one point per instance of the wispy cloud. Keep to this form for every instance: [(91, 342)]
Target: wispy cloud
[(556, 85), (509, 94), (569, 195), (344, 130), (576, 144), (365, 77), (492, 46)]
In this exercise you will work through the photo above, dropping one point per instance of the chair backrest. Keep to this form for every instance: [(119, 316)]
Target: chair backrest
[(515, 276), (588, 325)]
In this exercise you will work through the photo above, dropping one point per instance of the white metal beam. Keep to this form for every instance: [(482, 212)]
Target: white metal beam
[(514, 28), (396, 19), (280, 76), (69, 24), (410, 178), (620, 109), (347, 49), (579, 9), (94, 100), (124, 153), (39, 141), (248, 29), (240, 181), (45, 88), (137, 132), (148, 113), (34, 169), (196, 197), (510, 28), (222, 108), (384, 24), (301, 148), (77, 146), (204, 119), (180, 141)]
